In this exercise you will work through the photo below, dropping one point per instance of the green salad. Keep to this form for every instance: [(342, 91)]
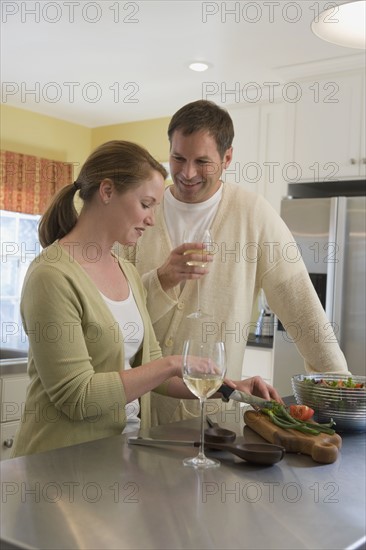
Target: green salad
[(343, 384)]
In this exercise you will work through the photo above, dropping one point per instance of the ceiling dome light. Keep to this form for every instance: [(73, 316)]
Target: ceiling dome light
[(343, 25), (199, 66)]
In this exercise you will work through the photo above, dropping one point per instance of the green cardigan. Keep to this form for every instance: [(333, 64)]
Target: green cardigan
[(75, 353)]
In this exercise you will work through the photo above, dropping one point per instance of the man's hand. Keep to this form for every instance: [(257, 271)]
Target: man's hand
[(176, 268)]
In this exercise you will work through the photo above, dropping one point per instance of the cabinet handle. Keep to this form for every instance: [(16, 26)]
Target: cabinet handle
[(8, 443), (353, 161)]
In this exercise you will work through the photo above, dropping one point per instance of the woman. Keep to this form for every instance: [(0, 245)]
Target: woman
[(84, 309)]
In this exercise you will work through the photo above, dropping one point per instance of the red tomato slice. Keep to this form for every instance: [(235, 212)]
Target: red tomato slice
[(301, 412)]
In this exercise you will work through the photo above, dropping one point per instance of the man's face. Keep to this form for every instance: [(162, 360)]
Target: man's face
[(196, 166)]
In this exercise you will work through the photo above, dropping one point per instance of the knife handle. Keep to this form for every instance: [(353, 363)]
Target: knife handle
[(226, 391)]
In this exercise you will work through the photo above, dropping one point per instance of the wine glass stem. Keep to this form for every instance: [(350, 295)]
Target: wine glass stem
[(198, 296), (201, 453)]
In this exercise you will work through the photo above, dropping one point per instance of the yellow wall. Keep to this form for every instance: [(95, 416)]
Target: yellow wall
[(33, 134), (30, 133), (151, 134)]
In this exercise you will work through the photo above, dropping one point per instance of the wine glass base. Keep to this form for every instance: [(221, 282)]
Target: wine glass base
[(201, 463)]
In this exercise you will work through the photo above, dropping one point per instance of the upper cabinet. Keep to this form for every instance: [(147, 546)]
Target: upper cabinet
[(312, 130), (260, 157), (328, 128)]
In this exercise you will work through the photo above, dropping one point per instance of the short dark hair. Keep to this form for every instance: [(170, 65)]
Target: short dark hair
[(204, 115)]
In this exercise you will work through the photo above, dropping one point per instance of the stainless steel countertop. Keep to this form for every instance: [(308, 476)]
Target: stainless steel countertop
[(106, 494)]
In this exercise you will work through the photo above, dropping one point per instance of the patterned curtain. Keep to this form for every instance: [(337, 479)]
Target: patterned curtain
[(28, 183)]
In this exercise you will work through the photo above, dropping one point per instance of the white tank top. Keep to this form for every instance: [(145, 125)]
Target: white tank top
[(130, 323)]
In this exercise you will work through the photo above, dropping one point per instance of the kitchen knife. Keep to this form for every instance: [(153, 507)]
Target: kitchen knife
[(158, 442), (242, 397)]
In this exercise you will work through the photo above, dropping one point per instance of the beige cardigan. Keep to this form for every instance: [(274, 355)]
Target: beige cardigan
[(75, 392), (253, 249)]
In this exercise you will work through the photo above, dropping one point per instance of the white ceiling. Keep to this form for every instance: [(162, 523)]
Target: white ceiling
[(108, 62)]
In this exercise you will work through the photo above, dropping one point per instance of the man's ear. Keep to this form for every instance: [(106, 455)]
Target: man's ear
[(228, 157)]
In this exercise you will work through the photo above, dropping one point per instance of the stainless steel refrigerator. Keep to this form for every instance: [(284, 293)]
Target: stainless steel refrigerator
[(330, 229)]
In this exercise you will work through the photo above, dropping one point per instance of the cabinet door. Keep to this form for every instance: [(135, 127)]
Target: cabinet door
[(328, 128), (273, 152), (245, 166), (258, 362), (363, 130), (13, 392), (261, 150), (7, 435)]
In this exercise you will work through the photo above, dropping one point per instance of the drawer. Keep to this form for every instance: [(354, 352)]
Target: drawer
[(7, 435), (258, 362), (13, 391)]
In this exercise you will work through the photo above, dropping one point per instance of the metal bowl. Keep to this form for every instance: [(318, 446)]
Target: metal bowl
[(346, 406)]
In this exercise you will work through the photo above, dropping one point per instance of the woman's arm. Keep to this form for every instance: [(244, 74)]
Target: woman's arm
[(145, 378), (253, 386)]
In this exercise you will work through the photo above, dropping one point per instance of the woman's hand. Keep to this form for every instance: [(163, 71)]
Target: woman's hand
[(258, 387)]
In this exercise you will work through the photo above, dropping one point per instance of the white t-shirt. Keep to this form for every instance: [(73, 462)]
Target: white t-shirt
[(130, 324), (191, 217)]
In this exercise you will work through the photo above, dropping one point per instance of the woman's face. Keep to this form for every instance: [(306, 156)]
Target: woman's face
[(130, 213)]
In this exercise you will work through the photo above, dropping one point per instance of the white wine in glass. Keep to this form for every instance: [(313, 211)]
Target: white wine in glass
[(204, 237), (203, 367)]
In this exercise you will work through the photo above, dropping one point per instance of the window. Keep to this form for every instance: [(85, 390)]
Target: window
[(19, 246)]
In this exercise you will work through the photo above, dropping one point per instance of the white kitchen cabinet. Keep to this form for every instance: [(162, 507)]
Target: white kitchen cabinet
[(329, 128), (7, 434), (258, 362), (261, 149), (244, 166), (12, 398)]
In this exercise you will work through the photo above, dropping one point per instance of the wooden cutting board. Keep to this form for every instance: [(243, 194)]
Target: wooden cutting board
[(322, 448)]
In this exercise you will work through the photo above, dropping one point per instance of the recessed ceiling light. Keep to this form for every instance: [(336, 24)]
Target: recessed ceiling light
[(343, 25), (199, 66)]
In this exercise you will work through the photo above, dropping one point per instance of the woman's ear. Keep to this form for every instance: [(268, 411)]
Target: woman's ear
[(106, 190)]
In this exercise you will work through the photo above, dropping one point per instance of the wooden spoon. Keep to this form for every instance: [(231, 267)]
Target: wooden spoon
[(216, 434)]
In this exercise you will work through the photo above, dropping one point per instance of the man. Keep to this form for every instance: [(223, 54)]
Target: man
[(249, 253)]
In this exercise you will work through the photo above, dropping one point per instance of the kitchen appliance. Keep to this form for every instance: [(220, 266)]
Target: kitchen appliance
[(328, 223), (265, 321)]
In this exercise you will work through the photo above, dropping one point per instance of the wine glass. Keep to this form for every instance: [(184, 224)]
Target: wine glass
[(204, 237), (204, 367)]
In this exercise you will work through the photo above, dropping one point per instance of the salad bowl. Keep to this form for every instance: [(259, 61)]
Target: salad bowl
[(333, 396)]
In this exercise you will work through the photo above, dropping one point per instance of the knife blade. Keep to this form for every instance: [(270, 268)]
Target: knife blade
[(242, 397), (149, 442)]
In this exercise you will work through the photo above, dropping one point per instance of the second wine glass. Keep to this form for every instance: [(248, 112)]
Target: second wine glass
[(204, 237), (203, 367)]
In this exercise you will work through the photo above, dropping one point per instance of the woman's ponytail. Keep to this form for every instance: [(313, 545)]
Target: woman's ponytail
[(60, 216)]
